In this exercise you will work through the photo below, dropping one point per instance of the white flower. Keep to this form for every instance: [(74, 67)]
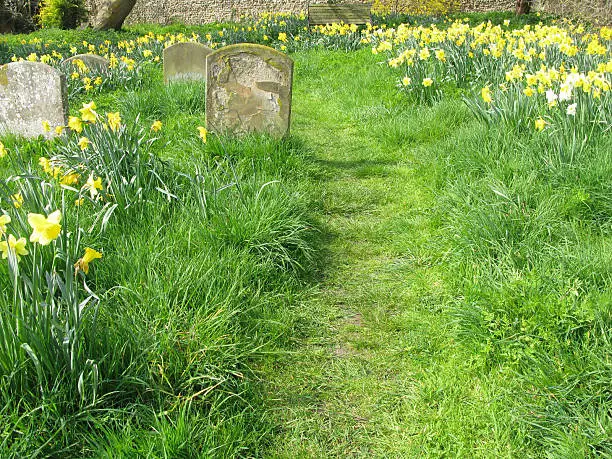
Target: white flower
[(565, 93), (571, 109), (551, 96)]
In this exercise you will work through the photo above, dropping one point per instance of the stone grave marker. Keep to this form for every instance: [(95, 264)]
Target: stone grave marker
[(248, 89), (30, 93), (97, 64), (185, 61)]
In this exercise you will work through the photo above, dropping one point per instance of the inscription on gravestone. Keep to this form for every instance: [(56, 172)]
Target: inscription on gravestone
[(248, 89), (30, 93), (185, 61)]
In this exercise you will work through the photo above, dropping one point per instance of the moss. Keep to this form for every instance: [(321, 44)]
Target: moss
[(3, 76)]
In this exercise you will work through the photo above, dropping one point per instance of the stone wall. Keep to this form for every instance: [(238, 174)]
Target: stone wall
[(202, 11), (487, 5), (598, 11)]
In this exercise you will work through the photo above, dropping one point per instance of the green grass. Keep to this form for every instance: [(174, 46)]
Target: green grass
[(393, 280), (463, 308)]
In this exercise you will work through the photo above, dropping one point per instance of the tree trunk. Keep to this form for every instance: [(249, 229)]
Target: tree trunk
[(523, 6), (112, 13)]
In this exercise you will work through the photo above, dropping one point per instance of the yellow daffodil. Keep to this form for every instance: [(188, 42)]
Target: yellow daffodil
[(4, 220), (17, 199), (93, 185), (486, 94), (427, 82), (406, 81), (156, 126), (71, 178), (528, 91), (87, 112), (14, 245), (3, 150), (540, 124), (203, 133), (46, 126), (83, 263), (114, 121), (46, 229), (84, 143), (75, 123), (59, 129)]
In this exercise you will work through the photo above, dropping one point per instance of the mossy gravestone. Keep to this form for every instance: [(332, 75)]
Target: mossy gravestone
[(94, 63), (185, 61), (30, 93), (248, 89)]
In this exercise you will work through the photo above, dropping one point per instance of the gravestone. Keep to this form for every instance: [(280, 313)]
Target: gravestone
[(248, 89), (30, 93), (185, 61), (97, 64)]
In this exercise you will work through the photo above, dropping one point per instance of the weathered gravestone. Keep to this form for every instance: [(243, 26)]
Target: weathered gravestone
[(185, 61), (248, 89), (30, 93), (98, 64)]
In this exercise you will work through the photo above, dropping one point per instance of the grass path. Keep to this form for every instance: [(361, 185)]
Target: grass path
[(375, 373)]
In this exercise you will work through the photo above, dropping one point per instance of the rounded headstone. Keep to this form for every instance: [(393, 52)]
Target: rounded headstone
[(185, 61), (30, 93), (96, 63), (248, 89)]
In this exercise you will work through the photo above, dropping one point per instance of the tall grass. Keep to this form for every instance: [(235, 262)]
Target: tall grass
[(150, 352), (531, 260)]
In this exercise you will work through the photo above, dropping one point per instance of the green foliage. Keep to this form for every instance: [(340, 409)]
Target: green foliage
[(62, 14)]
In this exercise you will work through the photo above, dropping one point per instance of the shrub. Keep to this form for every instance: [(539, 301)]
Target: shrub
[(16, 16), (414, 6), (62, 14)]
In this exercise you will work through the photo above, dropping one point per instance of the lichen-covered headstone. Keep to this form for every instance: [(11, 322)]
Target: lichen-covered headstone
[(248, 89), (185, 61), (30, 93), (97, 64)]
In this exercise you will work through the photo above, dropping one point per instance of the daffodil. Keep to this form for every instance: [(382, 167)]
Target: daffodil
[(540, 124), (4, 220), (71, 178), (83, 263), (156, 126), (528, 91), (46, 126), (427, 82), (203, 133), (3, 150), (571, 109), (114, 121), (46, 229), (87, 112), (59, 130), (406, 81), (14, 245), (17, 199), (75, 123), (486, 94), (93, 185), (84, 143)]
